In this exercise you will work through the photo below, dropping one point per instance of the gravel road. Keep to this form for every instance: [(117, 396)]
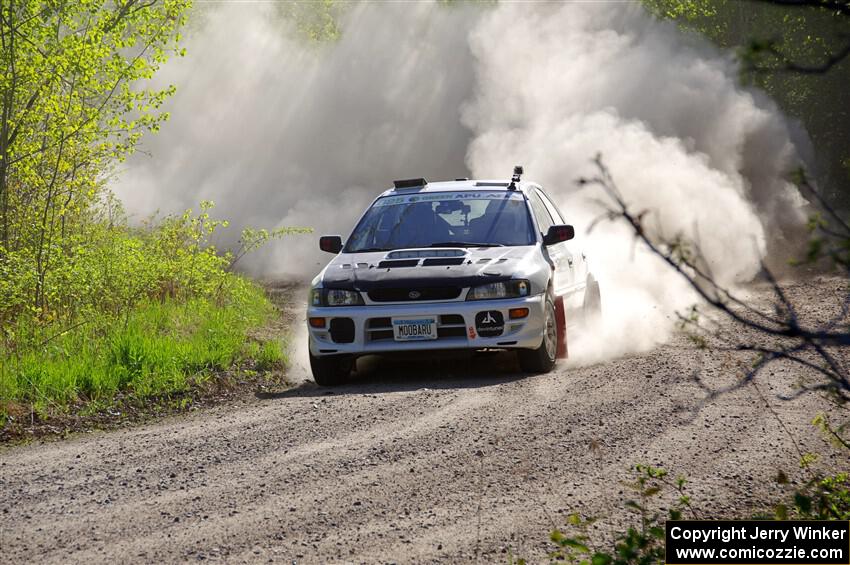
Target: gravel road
[(454, 461)]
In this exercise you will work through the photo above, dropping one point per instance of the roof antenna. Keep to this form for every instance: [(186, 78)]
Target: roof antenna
[(515, 178)]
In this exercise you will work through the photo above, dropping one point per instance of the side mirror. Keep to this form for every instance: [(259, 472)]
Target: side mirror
[(558, 234), (330, 243)]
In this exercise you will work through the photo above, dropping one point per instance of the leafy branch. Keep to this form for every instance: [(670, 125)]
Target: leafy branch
[(252, 239)]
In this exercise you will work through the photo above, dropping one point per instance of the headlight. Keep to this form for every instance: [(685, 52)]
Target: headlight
[(507, 289), (343, 298), (335, 297)]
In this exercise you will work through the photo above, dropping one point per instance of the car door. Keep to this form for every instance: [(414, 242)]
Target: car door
[(577, 261), (559, 253)]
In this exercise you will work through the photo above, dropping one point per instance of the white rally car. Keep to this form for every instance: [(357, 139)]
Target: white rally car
[(450, 265)]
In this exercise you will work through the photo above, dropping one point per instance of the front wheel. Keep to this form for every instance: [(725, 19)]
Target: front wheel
[(542, 359), (331, 370)]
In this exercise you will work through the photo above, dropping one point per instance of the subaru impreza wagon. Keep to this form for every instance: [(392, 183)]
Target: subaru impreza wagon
[(466, 264)]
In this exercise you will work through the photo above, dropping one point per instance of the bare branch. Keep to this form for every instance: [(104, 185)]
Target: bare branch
[(781, 336)]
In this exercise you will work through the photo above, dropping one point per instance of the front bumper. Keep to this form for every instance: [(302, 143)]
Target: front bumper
[(456, 326)]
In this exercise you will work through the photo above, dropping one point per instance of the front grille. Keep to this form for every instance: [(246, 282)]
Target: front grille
[(450, 332), (378, 329), (448, 326), (414, 294)]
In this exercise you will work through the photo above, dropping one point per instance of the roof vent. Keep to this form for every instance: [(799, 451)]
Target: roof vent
[(409, 183)]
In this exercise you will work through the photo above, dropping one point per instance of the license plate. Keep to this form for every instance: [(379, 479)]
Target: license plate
[(415, 329)]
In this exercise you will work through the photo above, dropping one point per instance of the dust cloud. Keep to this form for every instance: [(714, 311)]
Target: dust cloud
[(281, 132), (705, 158)]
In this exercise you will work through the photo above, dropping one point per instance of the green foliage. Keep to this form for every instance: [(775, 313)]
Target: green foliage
[(75, 100), (642, 543), (270, 355), (808, 459), (821, 498), (774, 43), (836, 435), (691, 11), (316, 20), (252, 239), (766, 34), (109, 267), (90, 307), (160, 347), (267, 355), (140, 311)]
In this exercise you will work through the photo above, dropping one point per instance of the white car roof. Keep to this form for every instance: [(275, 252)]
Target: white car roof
[(458, 185)]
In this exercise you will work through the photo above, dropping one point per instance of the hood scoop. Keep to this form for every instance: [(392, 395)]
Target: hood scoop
[(398, 263), (424, 253), (443, 261)]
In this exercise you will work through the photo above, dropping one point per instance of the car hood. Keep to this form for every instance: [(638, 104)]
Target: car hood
[(430, 267)]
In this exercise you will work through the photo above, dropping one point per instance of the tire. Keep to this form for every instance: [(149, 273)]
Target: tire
[(331, 370), (542, 359), (592, 307)]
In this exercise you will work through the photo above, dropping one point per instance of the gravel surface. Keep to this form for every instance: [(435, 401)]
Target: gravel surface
[(462, 460)]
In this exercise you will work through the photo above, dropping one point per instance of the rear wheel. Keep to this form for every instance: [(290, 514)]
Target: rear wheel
[(331, 370), (542, 359)]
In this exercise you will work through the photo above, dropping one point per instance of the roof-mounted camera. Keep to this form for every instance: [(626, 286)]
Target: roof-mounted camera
[(516, 177)]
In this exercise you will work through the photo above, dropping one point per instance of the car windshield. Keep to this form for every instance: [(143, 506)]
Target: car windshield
[(444, 219)]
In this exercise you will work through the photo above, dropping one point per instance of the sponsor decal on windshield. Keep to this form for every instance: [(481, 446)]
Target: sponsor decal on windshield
[(442, 196)]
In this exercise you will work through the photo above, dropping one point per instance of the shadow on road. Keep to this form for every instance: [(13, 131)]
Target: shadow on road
[(383, 374)]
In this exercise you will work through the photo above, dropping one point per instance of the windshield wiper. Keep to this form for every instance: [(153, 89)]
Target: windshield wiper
[(369, 250), (464, 244)]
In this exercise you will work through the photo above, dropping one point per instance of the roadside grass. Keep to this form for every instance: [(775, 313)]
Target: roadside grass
[(156, 349)]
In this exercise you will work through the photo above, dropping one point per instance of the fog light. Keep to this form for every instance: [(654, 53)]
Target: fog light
[(317, 322), (517, 313)]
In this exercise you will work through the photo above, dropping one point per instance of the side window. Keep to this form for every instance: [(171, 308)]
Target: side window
[(544, 219), (553, 210)]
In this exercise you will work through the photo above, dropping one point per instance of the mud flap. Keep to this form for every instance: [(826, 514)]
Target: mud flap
[(561, 320)]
